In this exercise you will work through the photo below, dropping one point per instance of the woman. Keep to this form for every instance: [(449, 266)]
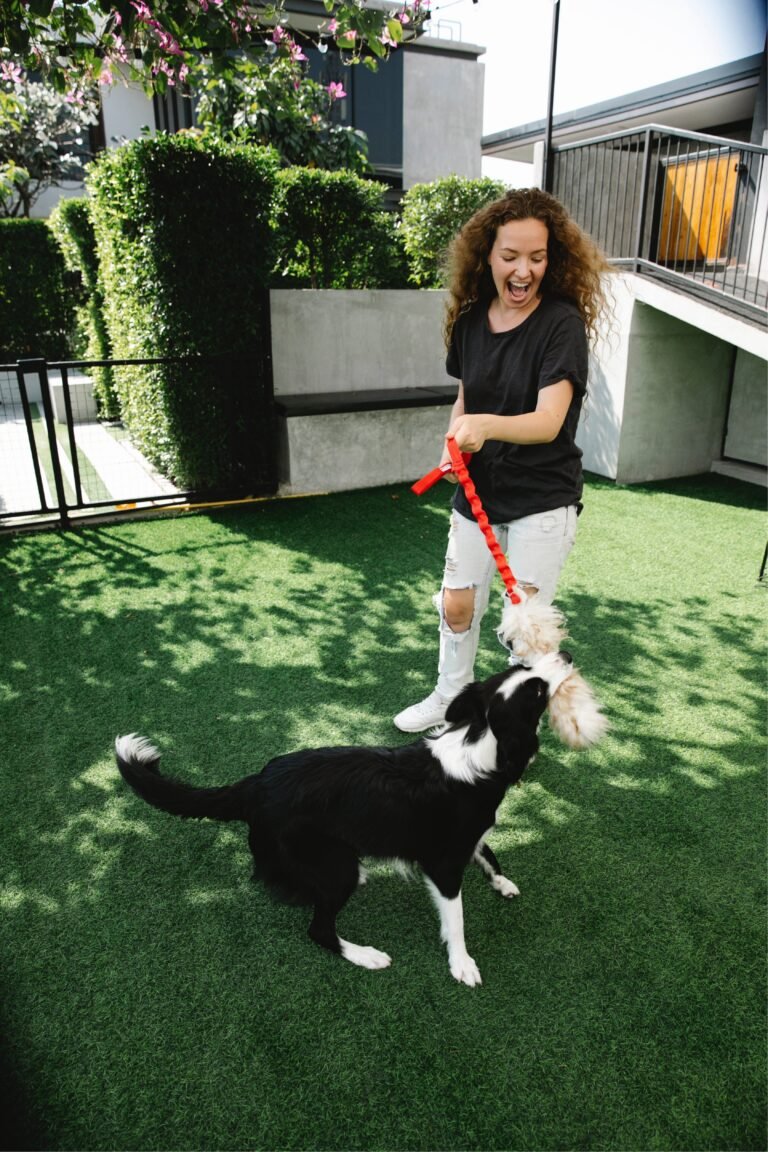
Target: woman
[(525, 297)]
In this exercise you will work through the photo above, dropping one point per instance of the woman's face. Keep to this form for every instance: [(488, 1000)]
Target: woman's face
[(518, 261)]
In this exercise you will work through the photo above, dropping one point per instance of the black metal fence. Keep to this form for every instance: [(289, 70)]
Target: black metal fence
[(60, 464), (688, 208)]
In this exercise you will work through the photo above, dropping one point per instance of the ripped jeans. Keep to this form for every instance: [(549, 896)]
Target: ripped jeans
[(536, 548)]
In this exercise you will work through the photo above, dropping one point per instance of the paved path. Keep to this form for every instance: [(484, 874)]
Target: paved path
[(119, 469)]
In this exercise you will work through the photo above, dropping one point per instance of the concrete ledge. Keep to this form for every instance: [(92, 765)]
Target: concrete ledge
[(361, 395), (342, 451), (80, 396), (381, 400)]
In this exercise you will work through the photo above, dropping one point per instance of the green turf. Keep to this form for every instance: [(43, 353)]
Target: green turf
[(155, 998)]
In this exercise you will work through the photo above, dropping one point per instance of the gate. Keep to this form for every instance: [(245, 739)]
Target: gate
[(61, 465)]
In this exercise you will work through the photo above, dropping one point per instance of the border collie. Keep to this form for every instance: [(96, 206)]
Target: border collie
[(313, 814)]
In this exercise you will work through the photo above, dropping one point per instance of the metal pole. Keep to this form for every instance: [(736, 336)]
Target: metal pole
[(41, 368), (551, 97)]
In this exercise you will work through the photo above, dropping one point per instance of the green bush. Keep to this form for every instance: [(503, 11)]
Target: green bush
[(432, 214), (184, 249), (71, 224), (37, 314), (331, 231)]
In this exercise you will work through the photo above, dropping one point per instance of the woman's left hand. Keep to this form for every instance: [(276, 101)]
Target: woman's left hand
[(469, 432)]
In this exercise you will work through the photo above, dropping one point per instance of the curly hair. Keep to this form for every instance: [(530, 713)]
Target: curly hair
[(574, 262)]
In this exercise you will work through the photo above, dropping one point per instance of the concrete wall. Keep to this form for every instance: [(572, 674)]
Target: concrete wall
[(676, 399), (327, 341), (442, 113), (659, 386), (336, 341), (747, 437), (656, 408)]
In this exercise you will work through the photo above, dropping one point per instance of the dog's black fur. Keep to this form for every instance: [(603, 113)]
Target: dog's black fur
[(313, 814)]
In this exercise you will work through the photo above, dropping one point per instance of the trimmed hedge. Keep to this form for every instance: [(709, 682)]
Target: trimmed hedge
[(432, 215), (185, 249), (71, 224), (331, 231), (37, 315)]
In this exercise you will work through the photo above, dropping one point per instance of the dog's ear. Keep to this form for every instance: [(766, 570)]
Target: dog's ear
[(468, 707)]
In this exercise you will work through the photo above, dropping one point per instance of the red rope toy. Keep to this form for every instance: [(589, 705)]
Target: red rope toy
[(458, 466)]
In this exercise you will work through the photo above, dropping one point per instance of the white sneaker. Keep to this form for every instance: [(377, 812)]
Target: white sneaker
[(426, 714)]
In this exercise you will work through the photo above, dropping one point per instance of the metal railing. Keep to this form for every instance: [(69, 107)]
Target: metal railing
[(687, 208), (60, 464)]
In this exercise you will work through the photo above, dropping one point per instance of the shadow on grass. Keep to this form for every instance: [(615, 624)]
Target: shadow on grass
[(229, 639), (234, 639)]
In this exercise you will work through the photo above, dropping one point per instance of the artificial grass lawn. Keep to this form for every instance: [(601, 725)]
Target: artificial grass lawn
[(155, 998)]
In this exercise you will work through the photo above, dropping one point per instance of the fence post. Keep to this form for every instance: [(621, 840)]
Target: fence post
[(41, 368), (643, 198)]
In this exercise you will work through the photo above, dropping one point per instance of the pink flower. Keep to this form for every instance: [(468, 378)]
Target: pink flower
[(332, 27), (120, 50), (296, 52), (10, 72), (336, 90), (278, 35)]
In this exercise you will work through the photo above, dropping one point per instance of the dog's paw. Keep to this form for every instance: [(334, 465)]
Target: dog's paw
[(365, 957), (505, 887), (464, 969)]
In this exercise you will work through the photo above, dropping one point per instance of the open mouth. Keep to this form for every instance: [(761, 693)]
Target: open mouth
[(517, 290)]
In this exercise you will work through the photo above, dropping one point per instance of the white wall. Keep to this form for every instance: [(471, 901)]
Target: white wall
[(127, 111), (600, 427)]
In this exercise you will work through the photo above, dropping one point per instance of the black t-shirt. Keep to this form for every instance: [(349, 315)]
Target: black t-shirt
[(502, 372)]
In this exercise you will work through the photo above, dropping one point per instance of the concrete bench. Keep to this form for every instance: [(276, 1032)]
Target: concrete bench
[(336, 441)]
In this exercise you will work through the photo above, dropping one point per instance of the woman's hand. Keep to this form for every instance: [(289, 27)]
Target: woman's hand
[(451, 477), (469, 432)]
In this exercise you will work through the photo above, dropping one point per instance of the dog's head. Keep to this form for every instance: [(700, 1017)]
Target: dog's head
[(531, 629), (492, 725)]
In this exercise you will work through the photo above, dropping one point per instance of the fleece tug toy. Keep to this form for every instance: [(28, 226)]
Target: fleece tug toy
[(529, 628)]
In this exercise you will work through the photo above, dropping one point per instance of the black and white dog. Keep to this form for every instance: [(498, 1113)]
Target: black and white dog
[(313, 814)]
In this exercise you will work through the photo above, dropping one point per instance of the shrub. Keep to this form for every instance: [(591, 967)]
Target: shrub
[(331, 231), (432, 214), (71, 224), (36, 311), (184, 249)]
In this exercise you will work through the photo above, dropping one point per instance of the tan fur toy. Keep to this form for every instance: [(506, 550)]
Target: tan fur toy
[(531, 628)]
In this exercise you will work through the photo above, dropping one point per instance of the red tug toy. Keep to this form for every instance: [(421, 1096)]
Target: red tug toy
[(529, 628)]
